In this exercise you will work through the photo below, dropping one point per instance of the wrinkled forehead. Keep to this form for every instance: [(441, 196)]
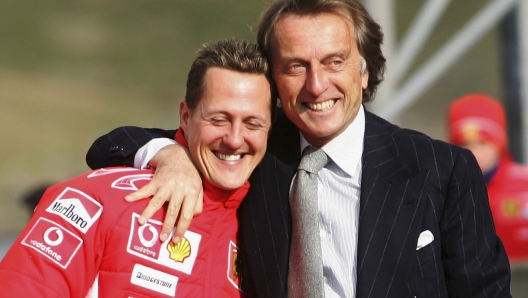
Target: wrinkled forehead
[(300, 36), (280, 25)]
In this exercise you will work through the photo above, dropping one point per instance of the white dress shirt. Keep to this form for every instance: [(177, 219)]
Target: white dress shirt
[(145, 153), (338, 189)]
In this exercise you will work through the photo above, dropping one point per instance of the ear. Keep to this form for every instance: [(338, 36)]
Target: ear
[(185, 114), (364, 80)]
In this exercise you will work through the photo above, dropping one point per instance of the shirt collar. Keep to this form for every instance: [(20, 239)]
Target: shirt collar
[(347, 148)]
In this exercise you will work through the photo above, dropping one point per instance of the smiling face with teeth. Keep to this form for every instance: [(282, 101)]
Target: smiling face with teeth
[(228, 130), (318, 71)]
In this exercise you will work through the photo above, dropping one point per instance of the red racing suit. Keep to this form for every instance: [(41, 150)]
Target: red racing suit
[(508, 197), (84, 235)]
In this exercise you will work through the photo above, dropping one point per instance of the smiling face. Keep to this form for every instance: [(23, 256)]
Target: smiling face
[(228, 130), (317, 69)]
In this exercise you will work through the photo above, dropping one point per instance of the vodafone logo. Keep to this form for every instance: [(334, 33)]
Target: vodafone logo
[(143, 235), (59, 236), (53, 241), (144, 240), (76, 207)]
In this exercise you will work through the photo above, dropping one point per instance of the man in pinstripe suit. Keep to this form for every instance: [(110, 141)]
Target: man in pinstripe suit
[(400, 214)]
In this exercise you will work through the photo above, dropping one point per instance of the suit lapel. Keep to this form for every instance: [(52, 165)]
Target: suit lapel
[(390, 203)]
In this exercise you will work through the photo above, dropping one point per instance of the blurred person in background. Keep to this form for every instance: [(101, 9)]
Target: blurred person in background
[(85, 239), (31, 198), (478, 123)]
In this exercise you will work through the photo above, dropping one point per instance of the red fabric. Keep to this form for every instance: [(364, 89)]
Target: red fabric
[(180, 138), (508, 196), (477, 117), (55, 256)]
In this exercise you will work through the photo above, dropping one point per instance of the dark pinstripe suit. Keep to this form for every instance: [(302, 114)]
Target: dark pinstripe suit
[(410, 184)]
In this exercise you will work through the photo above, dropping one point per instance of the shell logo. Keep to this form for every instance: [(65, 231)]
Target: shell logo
[(179, 251)]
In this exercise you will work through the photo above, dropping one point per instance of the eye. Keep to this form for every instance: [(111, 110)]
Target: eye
[(253, 125), (335, 64), (218, 121), (295, 68)]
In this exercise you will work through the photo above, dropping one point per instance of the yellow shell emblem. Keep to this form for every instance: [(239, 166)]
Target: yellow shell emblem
[(179, 251)]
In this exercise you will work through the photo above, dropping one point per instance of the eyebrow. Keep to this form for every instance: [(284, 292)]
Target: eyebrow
[(345, 53)]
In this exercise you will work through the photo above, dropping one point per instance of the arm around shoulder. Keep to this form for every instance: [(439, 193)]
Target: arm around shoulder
[(118, 147)]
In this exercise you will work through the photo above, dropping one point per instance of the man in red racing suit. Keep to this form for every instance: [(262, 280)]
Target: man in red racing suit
[(83, 228), (84, 233), (84, 238)]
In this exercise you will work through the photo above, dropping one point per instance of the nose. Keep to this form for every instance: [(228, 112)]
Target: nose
[(316, 81), (234, 136)]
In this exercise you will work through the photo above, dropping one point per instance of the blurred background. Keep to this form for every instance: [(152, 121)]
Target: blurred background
[(71, 71)]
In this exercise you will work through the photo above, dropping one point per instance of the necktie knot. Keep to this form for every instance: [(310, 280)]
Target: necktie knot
[(313, 160)]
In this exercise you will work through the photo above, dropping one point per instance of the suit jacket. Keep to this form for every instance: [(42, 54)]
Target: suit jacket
[(410, 184)]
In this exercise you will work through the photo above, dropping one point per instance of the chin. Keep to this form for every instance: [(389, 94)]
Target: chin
[(228, 184)]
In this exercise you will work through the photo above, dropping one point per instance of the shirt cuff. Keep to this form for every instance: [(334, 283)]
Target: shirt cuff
[(145, 153)]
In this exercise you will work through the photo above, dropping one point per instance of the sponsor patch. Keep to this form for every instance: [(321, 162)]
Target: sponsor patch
[(53, 241), (143, 241), (154, 280), (129, 182), (77, 208), (102, 172), (233, 275)]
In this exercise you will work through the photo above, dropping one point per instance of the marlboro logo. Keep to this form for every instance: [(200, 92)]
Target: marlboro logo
[(77, 208)]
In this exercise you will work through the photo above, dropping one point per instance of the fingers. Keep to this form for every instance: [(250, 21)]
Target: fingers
[(198, 208), (173, 210), (153, 206), (177, 182), (145, 192), (190, 205), (184, 221)]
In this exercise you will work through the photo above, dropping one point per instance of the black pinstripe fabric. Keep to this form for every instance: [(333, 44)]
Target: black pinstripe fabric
[(118, 147)]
